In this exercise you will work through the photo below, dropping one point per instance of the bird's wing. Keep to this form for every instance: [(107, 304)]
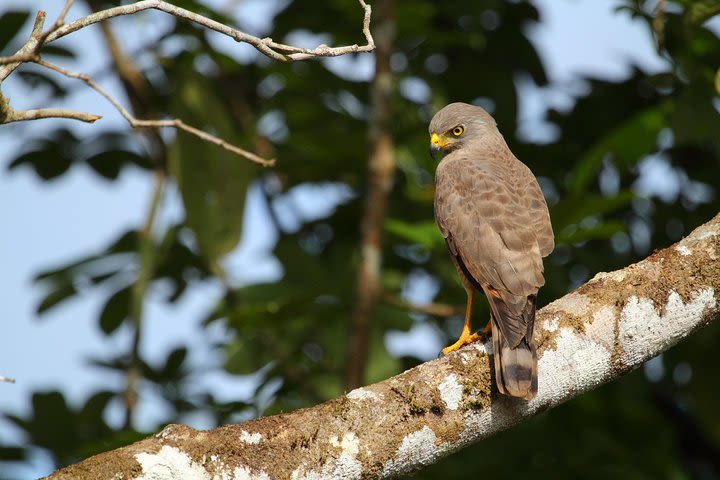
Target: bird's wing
[(537, 210), (495, 221)]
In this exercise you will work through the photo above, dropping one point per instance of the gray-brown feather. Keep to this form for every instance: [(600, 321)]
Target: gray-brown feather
[(491, 211)]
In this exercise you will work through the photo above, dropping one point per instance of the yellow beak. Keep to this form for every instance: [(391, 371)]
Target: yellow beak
[(437, 143)]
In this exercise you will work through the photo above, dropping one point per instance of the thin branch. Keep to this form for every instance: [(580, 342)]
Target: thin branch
[(34, 43), (264, 45), (35, 114), (173, 123), (29, 52), (31, 47)]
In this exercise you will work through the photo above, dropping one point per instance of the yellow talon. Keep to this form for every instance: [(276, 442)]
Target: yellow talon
[(465, 338)]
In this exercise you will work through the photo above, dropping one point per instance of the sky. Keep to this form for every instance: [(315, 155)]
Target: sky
[(575, 37)]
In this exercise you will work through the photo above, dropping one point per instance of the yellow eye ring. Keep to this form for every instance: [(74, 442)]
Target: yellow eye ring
[(457, 131)]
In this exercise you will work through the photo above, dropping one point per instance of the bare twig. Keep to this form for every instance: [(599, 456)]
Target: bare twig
[(35, 114), (267, 46), (34, 43), (26, 52), (29, 52), (173, 123)]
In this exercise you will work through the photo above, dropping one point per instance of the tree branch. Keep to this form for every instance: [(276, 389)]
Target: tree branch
[(36, 114), (267, 46), (27, 51), (604, 329), (30, 52), (173, 123)]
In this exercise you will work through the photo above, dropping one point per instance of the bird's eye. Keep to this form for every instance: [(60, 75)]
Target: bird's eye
[(457, 131)]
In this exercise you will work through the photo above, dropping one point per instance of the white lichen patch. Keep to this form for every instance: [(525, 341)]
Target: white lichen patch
[(704, 231), (349, 443), (467, 352), (577, 363), (573, 303), (643, 332), (346, 466), (602, 327), (683, 250), (170, 432), (170, 463), (618, 276), (363, 394), (451, 392), (551, 324), (252, 438), (417, 449)]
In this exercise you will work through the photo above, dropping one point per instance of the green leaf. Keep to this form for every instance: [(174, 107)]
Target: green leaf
[(48, 164), (57, 51), (109, 163), (57, 295), (627, 143), (425, 232), (115, 311), (50, 157), (36, 80), (699, 12), (10, 24), (213, 182), (572, 209), (174, 363), (605, 230)]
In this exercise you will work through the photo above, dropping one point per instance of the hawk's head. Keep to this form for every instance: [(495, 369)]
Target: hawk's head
[(457, 124)]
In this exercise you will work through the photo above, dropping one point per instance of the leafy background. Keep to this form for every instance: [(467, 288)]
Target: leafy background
[(627, 162)]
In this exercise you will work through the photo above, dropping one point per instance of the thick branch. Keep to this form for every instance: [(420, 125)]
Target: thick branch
[(607, 327)]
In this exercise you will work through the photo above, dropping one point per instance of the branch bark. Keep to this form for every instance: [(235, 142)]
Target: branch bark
[(605, 328)]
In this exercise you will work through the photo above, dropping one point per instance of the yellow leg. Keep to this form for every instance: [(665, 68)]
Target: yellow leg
[(466, 336), (487, 331)]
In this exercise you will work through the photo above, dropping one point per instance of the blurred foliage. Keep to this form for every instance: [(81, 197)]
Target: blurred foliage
[(632, 166)]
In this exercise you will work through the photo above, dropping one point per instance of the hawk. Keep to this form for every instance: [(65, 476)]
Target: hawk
[(492, 213)]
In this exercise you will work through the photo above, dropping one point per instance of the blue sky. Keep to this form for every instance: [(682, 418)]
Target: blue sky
[(575, 37)]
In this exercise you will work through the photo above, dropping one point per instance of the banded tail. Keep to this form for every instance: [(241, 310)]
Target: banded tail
[(514, 351)]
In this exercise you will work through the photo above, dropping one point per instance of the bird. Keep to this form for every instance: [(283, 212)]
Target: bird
[(492, 213)]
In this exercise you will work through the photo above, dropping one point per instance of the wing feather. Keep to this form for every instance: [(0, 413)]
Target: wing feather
[(495, 220)]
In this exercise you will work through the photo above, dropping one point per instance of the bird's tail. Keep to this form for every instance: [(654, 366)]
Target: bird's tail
[(514, 352)]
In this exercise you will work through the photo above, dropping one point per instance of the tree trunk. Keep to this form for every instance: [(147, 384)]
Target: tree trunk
[(605, 328)]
